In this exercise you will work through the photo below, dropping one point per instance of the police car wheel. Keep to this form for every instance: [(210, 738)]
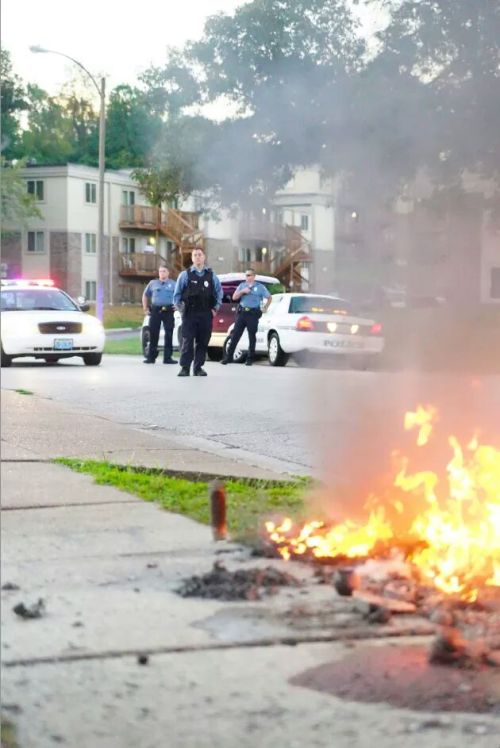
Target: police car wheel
[(276, 354), (146, 338), (5, 360), (92, 359), (239, 356)]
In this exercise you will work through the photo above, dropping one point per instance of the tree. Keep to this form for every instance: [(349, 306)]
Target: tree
[(451, 48), (132, 128), (13, 102), (17, 206)]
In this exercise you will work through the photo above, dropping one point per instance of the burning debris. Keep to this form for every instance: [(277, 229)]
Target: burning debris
[(432, 548), (243, 584), (450, 536)]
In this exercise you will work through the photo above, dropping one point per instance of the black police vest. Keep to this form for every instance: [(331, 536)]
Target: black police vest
[(198, 295)]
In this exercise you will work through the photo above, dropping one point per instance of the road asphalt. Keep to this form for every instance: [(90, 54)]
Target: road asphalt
[(118, 659)]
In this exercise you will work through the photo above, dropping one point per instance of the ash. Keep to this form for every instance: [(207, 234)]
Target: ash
[(243, 584)]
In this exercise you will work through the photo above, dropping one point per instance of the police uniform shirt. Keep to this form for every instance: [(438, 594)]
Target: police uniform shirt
[(160, 293), (253, 299)]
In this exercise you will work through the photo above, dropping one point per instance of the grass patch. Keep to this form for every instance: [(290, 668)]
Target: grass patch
[(248, 501), (8, 733), (128, 346), (24, 392), (128, 315)]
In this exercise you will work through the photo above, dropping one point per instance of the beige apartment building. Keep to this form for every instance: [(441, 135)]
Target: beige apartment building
[(313, 236)]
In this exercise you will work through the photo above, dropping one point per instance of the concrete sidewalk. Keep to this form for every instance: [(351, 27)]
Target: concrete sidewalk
[(107, 566)]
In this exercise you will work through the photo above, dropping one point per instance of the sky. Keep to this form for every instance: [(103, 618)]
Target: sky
[(115, 38)]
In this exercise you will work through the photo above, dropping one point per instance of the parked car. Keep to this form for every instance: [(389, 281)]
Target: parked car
[(298, 324), (42, 321), (222, 320)]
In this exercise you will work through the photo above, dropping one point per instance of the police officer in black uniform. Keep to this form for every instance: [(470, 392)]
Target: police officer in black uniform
[(198, 294), (158, 297)]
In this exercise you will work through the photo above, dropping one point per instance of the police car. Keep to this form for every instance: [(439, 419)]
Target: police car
[(42, 321), (298, 323), (223, 320)]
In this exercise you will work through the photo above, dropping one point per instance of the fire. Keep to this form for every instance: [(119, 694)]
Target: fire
[(454, 529)]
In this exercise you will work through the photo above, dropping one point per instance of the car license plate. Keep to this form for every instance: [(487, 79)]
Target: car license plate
[(353, 344), (63, 344)]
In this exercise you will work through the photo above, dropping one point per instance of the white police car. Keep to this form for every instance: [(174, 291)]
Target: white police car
[(41, 321), (298, 323)]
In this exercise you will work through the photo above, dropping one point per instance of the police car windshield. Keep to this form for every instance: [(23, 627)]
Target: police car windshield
[(36, 299), (319, 305)]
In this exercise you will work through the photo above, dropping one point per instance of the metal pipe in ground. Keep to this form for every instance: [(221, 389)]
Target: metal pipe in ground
[(218, 510)]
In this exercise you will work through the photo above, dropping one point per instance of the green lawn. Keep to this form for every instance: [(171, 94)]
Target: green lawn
[(248, 501), (126, 315)]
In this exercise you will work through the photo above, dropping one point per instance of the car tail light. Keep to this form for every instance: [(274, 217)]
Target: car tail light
[(376, 328), (304, 323)]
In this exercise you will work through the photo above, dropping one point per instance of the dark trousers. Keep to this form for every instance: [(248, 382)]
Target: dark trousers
[(196, 333), (248, 321), (158, 318)]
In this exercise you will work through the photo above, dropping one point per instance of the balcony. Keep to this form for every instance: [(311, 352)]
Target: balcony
[(262, 230), (139, 264), (139, 217)]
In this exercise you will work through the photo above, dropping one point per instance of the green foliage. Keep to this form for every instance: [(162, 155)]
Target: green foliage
[(132, 128), (13, 102), (248, 501), (17, 206)]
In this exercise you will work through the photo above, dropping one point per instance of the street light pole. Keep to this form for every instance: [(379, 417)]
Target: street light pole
[(101, 90)]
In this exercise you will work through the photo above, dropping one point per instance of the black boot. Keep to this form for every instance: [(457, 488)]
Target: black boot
[(200, 373), (184, 372)]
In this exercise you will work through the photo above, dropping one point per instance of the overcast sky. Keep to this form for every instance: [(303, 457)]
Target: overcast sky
[(118, 38)]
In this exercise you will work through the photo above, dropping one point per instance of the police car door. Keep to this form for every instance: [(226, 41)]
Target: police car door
[(265, 323)]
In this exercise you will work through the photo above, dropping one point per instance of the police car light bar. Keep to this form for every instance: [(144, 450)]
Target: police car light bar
[(27, 282)]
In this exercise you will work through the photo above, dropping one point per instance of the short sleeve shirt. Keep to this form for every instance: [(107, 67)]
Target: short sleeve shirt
[(253, 299), (161, 293)]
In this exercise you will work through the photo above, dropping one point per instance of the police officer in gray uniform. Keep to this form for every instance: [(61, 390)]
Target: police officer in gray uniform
[(158, 297)]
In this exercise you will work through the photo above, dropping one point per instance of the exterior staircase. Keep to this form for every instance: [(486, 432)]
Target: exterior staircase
[(180, 227)]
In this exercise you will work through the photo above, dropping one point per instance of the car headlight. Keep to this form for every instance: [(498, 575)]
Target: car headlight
[(92, 326)]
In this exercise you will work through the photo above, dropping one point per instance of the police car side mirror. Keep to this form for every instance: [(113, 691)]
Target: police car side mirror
[(83, 303)]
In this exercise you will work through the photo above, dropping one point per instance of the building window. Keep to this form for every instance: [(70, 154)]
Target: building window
[(495, 283), (36, 188), (304, 222), (90, 192), (128, 244), (36, 241), (90, 244), (128, 197), (90, 290)]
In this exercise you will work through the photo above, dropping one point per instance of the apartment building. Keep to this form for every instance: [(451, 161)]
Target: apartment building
[(314, 235)]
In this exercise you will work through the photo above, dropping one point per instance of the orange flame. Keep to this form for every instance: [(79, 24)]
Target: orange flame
[(456, 531)]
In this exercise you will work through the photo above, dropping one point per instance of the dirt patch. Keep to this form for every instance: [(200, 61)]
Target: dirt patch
[(243, 584), (403, 677)]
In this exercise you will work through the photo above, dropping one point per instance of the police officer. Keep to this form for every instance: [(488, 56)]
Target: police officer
[(250, 294), (198, 295), (158, 297)]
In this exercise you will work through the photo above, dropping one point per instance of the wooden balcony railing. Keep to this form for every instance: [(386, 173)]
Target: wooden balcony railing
[(140, 264), (260, 229), (138, 217)]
